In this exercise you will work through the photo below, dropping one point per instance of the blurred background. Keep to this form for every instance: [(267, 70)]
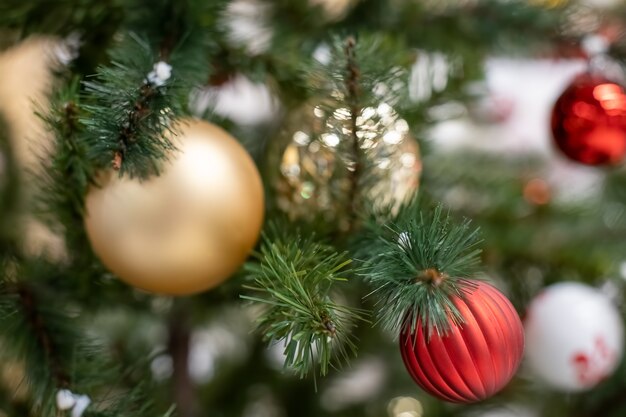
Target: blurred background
[(469, 117)]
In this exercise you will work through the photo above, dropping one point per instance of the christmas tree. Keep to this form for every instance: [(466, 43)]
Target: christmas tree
[(277, 208)]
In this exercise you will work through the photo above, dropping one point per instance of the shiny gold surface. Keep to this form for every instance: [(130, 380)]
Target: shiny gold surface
[(188, 229), (314, 171)]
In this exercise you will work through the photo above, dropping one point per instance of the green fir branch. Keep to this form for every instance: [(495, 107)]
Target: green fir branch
[(68, 172), (129, 115), (416, 264), (61, 187), (134, 403), (58, 17), (352, 98), (354, 75), (36, 332), (353, 90), (42, 330), (294, 281)]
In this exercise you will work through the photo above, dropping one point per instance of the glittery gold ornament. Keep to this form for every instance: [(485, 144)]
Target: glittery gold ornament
[(189, 228), (314, 180)]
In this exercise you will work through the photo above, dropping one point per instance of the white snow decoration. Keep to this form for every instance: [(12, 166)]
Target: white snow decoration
[(161, 72), (65, 399), (322, 54), (82, 402)]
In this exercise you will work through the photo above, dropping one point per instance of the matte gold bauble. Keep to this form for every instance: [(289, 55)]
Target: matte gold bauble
[(314, 183), (188, 229)]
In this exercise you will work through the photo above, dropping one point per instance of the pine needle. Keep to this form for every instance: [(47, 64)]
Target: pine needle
[(294, 281), (416, 264)]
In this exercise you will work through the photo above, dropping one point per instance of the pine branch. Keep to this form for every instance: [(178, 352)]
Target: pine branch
[(559, 237), (133, 403), (351, 104), (38, 334), (67, 172), (42, 330), (352, 87), (132, 102), (294, 280), (178, 346), (468, 28), (59, 17), (37, 324), (126, 112), (416, 264)]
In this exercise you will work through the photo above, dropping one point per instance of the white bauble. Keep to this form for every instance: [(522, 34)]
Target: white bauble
[(574, 336)]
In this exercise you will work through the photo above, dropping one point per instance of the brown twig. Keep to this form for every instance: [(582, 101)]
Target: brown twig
[(29, 306), (329, 326), (71, 121), (141, 107), (178, 347), (128, 132), (352, 87)]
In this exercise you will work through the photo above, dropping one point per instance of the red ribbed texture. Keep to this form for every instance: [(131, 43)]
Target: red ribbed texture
[(473, 361), (589, 121)]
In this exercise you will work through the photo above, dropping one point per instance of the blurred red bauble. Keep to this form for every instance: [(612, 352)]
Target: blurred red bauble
[(473, 361), (589, 121)]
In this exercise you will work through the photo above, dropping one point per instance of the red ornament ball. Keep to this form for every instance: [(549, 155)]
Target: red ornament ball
[(472, 361), (589, 121)]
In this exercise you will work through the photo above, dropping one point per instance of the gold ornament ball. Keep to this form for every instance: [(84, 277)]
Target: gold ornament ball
[(188, 229), (313, 182)]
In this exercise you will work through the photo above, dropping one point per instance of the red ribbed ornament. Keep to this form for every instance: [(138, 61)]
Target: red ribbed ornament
[(472, 361), (589, 121)]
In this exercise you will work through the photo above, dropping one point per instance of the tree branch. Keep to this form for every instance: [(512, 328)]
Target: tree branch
[(128, 132), (293, 281), (178, 347), (28, 303), (416, 263), (352, 87)]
